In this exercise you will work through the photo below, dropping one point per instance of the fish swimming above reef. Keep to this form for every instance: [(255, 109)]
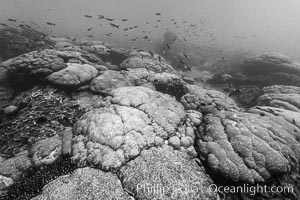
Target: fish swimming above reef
[(158, 14), (71, 38), (114, 25), (24, 26), (12, 20), (124, 20), (89, 29), (109, 19), (168, 46), (50, 24), (101, 17), (88, 16)]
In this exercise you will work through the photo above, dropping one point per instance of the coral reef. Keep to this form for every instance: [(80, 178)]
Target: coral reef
[(127, 118)]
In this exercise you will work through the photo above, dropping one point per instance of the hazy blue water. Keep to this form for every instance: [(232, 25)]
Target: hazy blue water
[(228, 25)]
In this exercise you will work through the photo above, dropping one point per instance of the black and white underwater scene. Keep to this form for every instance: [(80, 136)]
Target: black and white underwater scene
[(149, 99)]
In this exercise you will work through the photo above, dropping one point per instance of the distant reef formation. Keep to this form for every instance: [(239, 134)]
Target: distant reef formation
[(245, 82), (85, 120), (15, 41)]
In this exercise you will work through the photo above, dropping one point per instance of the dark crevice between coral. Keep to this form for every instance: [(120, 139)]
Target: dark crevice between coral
[(33, 180), (174, 90), (130, 193), (113, 57)]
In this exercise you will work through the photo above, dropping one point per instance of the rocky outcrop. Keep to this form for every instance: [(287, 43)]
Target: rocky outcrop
[(74, 75), (85, 183)]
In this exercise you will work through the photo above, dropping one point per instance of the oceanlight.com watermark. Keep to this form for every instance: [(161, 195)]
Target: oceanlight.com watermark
[(195, 189), (251, 189)]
